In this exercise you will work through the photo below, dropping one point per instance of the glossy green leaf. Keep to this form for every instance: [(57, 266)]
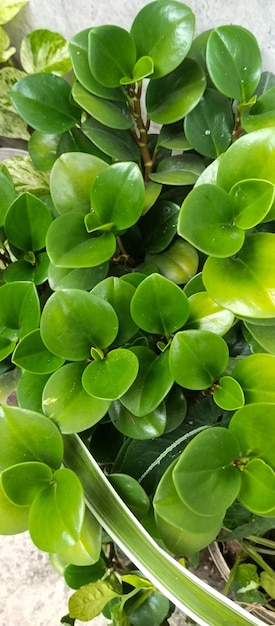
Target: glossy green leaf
[(236, 49), (111, 113), (250, 425), (172, 137), (132, 493), (13, 518), (244, 284), (74, 140), (170, 98), (43, 101), (90, 600), (258, 487), (69, 245), (255, 374), (6, 347), (152, 384), (178, 263), (79, 278), (43, 149), (35, 271), (264, 335), (182, 530), (117, 195), (111, 377), (66, 327), (27, 222), (261, 114), (163, 26), (57, 513), (78, 575), (197, 358), (205, 314), (71, 179), (111, 54), (268, 583), (204, 476), (178, 170), (78, 47), (66, 402), (144, 67), (28, 436), (153, 610), (32, 355), (22, 482), (85, 551), (206, 220), (159, 226), (209, 126), (252, 201), (118, 144), (148, 426), (228, 394), (19, 309), (176, 408), (29, 391), (119, 294), (45, 51), (159, 306), (8, 195), (194, 285)]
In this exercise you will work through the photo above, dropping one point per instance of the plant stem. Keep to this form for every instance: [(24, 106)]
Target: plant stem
[(257, 558), (141, 129)]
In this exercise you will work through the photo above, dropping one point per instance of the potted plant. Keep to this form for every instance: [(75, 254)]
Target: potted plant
[(137, 310)]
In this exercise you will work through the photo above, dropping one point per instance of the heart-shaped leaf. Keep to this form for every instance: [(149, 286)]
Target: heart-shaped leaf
[(253, 199), (209, 126), (28, 269), (197, 358), (27, 222), (19, 309), (204, 476), (206, 220), (258, 487), (22, 482), (111, 54), (111, 377), (66, 327), (66, 402), (148, 426), (159, 306), (249, 425), (32, 355), (228, 394)]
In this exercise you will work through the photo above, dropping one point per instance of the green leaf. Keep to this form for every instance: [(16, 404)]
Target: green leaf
[(258, 487), (206, 220), (204, 476), (13, 518), (145, 427), (172, 137), (264, 335), (119, 294), (250, 425), (236, 49), (159, 306), (178, 170), (5, 51), (228, 394), (57, 513), (9, 8), (8, 77), (178, 263), (118, 144), (45, 51), (28, 436), (255, 374), (19, 309), (112, 113), (6, 347), (159, 226), (111, 54), (90, 600), (42, 149), (43, 101), (69, 245), (111, 377), (32, 355), (182, 530), (25, 177), (76, 278), (197, 358), (71, 179), (66, 327), (261, 114), (268, 583), (66, 402), (170, 98), (163, 26), (117, 195), (132, 493), (29, 391), (144, 67), (22, 482), (8, 195), (85, 551), (152, 383), (209, 126), (152, 611), (77, 576), (252, 200), (27, 222), (205, 314), (244, 283), (34, 270)]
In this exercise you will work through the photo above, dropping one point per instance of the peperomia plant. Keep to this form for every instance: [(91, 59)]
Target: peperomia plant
[(137, 309)]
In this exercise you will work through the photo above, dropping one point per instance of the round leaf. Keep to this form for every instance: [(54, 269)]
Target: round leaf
[(236, 49), (159, 306), (19, 309), (66, 402), (256, 374), (228, 394), (253, 426), (119, 294), (252, 199), (258, 487), (205, 314), (29, 391), (204, 476), (32, 355), (112, 54), (209, 126), (132, 493), (27, 222), (109, 112), (146, 427), (43, 101), (111, 377), (22, 482), (206, 220), (42, 149), (197, 358), (13, 518), (66, 327)]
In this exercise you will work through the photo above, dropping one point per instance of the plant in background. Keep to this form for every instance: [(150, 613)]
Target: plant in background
[(137, 309)]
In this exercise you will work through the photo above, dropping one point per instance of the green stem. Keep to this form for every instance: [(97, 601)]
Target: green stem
[(195, 598), (257, 558), (262, 541), (140, 131)]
